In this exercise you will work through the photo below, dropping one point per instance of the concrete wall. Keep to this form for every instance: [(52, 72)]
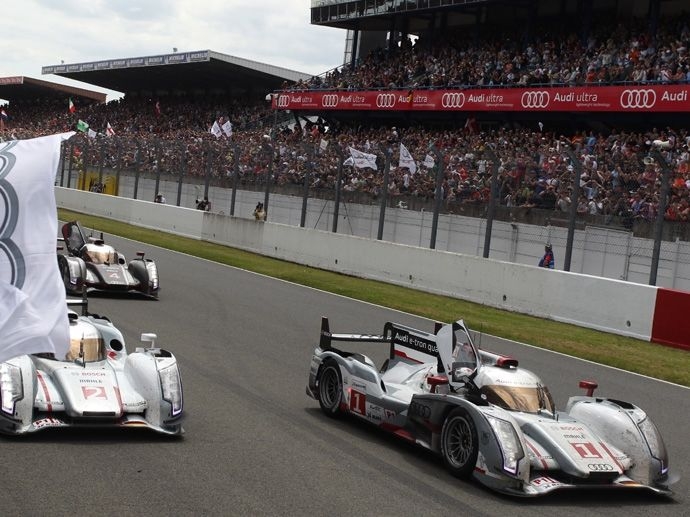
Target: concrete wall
[(599, 251), (580, 299)]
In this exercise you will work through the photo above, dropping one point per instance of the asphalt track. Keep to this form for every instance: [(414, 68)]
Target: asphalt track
[(255, 444)]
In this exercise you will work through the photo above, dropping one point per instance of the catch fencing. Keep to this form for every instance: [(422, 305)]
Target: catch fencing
[(310, 184)]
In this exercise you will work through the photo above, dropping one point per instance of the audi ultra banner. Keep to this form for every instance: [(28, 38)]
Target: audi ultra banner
[(639, 98)]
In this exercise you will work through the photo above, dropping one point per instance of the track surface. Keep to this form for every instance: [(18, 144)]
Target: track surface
[(257, 445)]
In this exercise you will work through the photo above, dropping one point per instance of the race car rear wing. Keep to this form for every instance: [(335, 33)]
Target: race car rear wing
[(405, 342)]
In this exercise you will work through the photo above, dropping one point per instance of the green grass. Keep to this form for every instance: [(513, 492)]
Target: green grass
[(626, 353)]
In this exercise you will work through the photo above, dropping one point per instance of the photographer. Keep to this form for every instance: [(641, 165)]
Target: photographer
[(203, 204)]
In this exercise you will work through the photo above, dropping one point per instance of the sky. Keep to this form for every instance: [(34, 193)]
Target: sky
[(37, 33)]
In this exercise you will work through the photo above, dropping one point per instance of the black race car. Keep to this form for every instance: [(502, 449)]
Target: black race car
[(90, 264)]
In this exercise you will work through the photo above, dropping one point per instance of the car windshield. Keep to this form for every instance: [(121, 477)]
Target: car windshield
[(88, 349), (99, 254), (529, 399)]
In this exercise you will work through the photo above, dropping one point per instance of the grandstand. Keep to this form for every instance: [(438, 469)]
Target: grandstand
[(174, 99)]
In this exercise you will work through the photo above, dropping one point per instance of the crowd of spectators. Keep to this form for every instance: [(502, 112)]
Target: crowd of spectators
[(554, 55), (620, 175)]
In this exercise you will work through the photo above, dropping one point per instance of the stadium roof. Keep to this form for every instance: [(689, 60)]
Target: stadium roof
[(20, 88), (200, 71)]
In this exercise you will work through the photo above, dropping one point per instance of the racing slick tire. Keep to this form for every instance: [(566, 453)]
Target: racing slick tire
[(459, 444), (330, 388)]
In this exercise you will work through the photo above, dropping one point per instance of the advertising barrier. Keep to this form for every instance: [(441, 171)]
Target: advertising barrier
[(628, 98)]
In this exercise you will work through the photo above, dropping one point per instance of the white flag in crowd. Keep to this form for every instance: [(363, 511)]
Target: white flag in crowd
[(349, 161), (429, 162), (92, 133), (216, 130), (227, 128), (109, 129), (406, 161), (33, 309), (323, 145), (363, 160)]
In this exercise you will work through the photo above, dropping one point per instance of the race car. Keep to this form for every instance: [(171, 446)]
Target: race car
[(485, 416), (90, 264), (96, 385)]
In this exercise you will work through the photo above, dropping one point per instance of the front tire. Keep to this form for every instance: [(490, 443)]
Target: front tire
[(459, 444), (330, 388)]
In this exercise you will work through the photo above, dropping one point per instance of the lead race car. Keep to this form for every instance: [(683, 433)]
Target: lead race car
[(487, 417), (93, 265), (97, 384)]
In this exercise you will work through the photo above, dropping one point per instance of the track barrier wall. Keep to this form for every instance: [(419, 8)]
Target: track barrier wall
[(584, 300)]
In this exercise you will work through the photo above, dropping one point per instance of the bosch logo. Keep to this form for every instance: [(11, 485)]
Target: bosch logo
[(600, 467), (385, 100), (535, 100), (283, 101), (330, 100), (453, 100), (637, 99)]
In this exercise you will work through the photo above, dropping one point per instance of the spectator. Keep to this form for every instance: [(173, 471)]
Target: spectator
[(203, 204), (547, 261)]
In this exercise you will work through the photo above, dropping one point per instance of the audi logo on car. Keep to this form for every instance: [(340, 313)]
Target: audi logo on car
[(385, 100), (600, 467), (535, 99), (283, 101), (453, 100), (638, 99), (329, 100)]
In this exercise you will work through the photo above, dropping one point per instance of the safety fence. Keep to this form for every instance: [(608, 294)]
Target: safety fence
[(475, 184)]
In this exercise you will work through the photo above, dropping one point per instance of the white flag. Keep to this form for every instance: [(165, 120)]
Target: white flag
[(215, 129), (33, 309), (323, 145), (227, 128), (429, 162), (109, 129), (349, 162), (363, 160), (406, 161), (92, 133)]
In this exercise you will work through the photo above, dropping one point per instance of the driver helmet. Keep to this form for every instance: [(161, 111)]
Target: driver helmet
[(548, 247)]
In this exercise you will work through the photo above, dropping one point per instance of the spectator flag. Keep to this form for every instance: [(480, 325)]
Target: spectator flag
[(363, 160), (227, 128), (541, 126), (428, 162), (215, 129), (406, 161), (33, 309), (157, 107), (92, 133), (3, 118), (72, 108), (349, 162), (109, 129), (82, 126), (323, 145)]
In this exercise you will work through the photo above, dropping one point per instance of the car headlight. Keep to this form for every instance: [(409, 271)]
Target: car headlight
[(509, 442), (152, 270), (654, 441), (171, 387), (11, 387)]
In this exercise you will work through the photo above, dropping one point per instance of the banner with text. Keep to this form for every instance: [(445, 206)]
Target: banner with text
[(633, 98)]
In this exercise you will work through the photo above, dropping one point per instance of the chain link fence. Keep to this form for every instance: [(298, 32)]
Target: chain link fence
[(473, 200)]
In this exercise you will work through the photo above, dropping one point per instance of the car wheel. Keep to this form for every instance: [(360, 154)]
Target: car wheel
[(330, 388), (459, 445)]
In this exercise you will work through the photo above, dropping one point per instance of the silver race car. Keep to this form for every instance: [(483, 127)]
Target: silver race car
[(91, 264), (98, 384), (486, 417)]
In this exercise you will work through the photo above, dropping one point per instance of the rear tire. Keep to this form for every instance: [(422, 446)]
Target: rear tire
[(459, 444), (330, 388)]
